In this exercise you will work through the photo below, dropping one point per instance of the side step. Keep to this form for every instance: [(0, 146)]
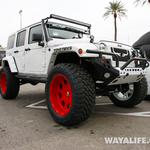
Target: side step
[(29, 78)]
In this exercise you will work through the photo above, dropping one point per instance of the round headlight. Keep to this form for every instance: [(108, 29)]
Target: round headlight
[(102, 46)]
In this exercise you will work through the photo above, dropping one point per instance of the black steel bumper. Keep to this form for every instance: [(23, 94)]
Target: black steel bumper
[(107, 72)]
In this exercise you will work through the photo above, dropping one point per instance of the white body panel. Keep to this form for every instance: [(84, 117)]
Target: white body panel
[(11, 63)]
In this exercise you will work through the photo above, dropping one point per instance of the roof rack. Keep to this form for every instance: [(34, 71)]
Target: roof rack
[(63, 19)]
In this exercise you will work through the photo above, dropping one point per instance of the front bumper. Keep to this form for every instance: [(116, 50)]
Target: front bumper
[(118, 75)]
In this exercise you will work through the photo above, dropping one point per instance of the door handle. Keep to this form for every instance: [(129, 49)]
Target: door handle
[(27, 49), (16, 51)]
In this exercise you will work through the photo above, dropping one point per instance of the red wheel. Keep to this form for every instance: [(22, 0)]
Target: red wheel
[(60, 94), (3, 82), (9, 85), (70, 94)]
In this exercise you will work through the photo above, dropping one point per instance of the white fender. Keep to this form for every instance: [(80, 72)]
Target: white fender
[(11, 63)]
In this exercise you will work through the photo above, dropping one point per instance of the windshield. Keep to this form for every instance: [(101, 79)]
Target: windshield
[(66, 32)]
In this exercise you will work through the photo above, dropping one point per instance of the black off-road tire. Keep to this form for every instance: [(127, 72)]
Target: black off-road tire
[(9, 85), (139, 93), (70, 94)]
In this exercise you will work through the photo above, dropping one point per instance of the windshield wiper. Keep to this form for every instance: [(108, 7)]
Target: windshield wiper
[(74, 30), (58, 37)]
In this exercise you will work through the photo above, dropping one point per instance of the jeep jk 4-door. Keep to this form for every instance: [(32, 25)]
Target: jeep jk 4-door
[(74, 68)]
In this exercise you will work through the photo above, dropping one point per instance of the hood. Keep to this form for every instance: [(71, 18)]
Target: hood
[(58, 42)]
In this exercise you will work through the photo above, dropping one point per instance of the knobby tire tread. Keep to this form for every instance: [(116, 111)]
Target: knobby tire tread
[(140, 91), (12, 84), (84, 94)]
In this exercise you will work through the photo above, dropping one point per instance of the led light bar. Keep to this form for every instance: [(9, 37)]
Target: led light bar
[(70, 20)]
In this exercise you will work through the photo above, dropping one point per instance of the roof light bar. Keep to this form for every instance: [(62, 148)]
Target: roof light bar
[(70, 20)]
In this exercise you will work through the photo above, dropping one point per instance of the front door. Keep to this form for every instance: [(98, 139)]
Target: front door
[(35, 55), (35, 58)]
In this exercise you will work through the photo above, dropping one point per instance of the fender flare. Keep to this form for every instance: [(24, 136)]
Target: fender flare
[(11, 63)]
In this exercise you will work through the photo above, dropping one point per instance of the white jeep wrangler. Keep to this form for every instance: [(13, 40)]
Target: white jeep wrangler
[(74, 68)]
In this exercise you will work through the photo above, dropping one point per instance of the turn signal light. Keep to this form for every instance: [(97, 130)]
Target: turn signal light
[(134, 61), (80, 51), (103, 59)]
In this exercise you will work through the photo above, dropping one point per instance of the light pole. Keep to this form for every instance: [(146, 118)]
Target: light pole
[(20, 12)]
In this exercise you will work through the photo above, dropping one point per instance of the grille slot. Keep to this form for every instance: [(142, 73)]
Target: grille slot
[(122, 54)]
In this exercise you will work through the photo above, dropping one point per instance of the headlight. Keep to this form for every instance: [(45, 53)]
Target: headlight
[(102, 46)]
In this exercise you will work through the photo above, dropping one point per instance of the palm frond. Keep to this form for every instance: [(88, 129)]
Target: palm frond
[(115, 8), (137, 2)]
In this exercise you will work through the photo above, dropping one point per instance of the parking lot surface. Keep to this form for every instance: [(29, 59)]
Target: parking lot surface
[(25, 123)]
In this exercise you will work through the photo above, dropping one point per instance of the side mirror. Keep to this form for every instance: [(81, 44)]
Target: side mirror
[(92, 38), (38, 38)]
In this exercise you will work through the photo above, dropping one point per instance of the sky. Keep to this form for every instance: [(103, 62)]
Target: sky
[(90, 11)]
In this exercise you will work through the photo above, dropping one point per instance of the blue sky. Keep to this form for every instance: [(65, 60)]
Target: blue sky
[(90, 11)]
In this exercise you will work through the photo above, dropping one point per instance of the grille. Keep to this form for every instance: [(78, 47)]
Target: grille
[(122, 54)]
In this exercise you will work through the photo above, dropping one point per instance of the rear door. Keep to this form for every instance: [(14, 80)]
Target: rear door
[(19, 53)]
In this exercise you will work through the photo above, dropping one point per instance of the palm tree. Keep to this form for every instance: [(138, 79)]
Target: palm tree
[(137, 2), (117, 10)]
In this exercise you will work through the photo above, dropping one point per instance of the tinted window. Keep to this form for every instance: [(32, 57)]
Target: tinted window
[(36, 29), (21, 38), (11, 42), (66, 32)]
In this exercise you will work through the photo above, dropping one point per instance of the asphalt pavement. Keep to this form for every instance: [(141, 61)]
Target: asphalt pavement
[(25, 124)]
